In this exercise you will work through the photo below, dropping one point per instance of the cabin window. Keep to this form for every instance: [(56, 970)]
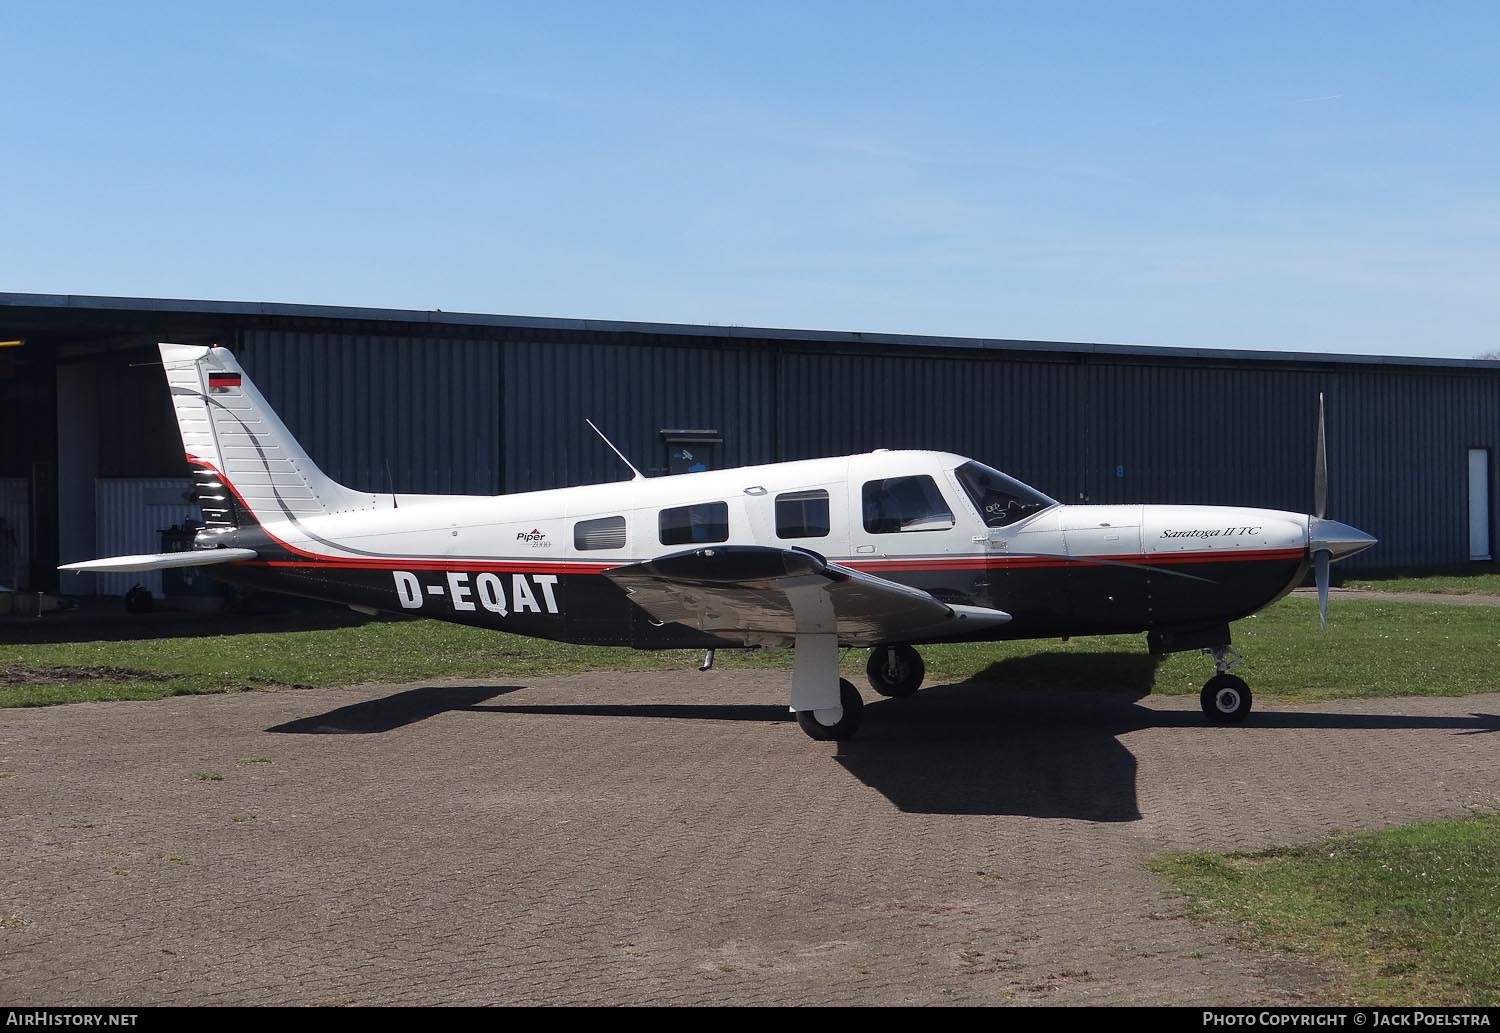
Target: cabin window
[(695, 525), (802, 514), (905, 504), (1001, 500), (604, 533)]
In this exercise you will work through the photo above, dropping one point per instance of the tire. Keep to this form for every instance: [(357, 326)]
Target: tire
[(847, 725), (909, 670), (1226, 699)]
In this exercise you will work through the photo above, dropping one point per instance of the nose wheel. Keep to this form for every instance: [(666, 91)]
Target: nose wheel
[(1225, 697), (895, 670)]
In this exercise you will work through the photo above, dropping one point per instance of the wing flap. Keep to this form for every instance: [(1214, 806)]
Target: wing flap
[(160, 561), (759, 595)]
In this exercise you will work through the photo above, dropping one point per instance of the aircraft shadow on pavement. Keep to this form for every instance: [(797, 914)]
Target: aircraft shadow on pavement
[(689, 711), (388, 713), (1033, 736), (1036, 736)]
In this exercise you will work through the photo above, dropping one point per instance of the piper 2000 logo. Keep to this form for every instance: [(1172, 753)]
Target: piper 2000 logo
[(473, 591)]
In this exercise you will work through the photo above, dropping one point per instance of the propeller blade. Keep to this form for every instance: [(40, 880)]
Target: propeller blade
[(1322, 558), (1320, 480)]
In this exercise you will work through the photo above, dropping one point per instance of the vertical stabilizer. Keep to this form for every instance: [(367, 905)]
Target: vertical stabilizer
[(245, 457)]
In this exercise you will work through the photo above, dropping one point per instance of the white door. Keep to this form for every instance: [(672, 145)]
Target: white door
[(1479, 503)]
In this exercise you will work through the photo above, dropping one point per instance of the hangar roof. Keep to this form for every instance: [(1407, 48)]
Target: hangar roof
[(83, 305)]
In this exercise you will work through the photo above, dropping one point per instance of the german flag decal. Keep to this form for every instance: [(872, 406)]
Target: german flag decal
[(224, 381)]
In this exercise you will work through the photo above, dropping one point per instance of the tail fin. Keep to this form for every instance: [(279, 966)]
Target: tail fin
[(245, 458)]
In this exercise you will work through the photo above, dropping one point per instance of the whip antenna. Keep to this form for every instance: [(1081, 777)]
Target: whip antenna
[(638, 475)]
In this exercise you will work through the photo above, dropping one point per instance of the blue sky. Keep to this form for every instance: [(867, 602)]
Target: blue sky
[(1312, 176)]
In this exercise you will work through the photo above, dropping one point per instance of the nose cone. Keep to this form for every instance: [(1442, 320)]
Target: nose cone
[(1340, 540)]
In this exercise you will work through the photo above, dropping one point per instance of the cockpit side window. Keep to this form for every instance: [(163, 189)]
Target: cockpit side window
[(905, 504), (1001, 500)]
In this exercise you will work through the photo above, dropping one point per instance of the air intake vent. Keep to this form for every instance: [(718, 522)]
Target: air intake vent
[(215, 500)]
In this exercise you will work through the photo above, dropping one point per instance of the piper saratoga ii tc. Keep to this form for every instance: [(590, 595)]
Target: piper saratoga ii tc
[(886, 550)]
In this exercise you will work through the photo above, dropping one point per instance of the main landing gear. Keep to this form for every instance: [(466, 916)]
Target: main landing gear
[(1225, 697), (895, 670), (842, 721), (827, 707)]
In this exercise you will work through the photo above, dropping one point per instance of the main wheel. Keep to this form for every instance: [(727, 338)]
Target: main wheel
[(895, 670), (1226, 698), (848, 722)]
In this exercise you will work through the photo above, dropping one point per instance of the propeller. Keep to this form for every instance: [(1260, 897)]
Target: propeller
[(1320, 479), (1323, 557), (1328, 540)]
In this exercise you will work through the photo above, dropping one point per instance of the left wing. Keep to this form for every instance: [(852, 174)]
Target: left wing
[(767, 596), (161, 561)]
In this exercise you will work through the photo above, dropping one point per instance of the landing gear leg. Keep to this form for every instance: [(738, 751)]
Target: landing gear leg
[(1225, 697), (828, 708)]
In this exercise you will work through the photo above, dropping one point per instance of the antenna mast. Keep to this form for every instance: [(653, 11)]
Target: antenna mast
[(638, 476)]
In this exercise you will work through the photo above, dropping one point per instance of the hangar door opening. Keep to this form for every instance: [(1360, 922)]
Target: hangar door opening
[(1479, 503)]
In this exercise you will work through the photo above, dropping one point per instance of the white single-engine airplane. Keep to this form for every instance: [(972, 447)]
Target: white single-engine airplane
[(884, 550)]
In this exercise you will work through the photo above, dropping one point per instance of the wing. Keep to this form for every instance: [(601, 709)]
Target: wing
[(767, 596), (162, 560)]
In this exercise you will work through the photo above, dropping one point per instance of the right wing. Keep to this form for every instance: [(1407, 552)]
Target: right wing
[(764, 596)]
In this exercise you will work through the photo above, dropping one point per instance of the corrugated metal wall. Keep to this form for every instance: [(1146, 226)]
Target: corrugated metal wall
[(1210, 435), (132, 512), (633, 392), (1223, 434), (504, 410), (15, 529), (416, 414), (1402, 450), (1027, 418)]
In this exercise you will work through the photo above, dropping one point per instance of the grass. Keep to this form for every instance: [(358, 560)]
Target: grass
[(1412, 914), (1475, 579), (1371, 648)]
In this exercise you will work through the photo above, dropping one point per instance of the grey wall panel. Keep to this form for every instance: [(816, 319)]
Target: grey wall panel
[(1402, 461), (427, 411), (15, 532), (132, 512), (136, 426), (1026, 418), (1195, 435), (633, 392)]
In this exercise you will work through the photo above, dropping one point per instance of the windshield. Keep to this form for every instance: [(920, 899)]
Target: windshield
[(1001, 500)]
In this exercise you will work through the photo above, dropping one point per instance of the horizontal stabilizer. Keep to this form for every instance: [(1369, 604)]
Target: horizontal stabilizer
[(160, 561)]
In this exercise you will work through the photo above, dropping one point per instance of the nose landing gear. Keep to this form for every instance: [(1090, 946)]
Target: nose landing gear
[(1225, 697)]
